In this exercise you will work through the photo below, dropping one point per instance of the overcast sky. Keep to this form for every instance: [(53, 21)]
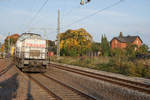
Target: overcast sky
[(132, 17)]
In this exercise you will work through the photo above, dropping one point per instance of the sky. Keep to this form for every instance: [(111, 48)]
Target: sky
[(132, 17)]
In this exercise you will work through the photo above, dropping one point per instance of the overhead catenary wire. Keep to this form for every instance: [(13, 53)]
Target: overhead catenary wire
[(36, 14), (69, 12), (74, 8), (88, 16)]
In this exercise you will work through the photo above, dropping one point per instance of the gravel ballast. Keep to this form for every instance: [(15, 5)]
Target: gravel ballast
[(14, 85), (100, 89)]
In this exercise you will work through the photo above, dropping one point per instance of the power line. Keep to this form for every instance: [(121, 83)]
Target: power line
[(86, 17), (36, 14), (69, 12), (74, 8)]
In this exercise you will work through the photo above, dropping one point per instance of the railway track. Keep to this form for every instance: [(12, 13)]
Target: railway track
[(58, 89), (2, 72), (141, 87), (55, 97)]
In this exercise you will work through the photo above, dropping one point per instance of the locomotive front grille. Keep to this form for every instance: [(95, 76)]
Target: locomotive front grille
[(34, 53)]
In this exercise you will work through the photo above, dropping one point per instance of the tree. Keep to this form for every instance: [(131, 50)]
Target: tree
[(75, 42), (95, 47), (2, 48), (10, 41), (105, 46)]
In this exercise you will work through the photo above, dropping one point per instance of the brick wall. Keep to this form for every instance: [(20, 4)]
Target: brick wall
[(137, 42), (117, 44)]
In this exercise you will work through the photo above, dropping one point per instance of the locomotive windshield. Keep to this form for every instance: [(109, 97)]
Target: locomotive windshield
[(29, 35)]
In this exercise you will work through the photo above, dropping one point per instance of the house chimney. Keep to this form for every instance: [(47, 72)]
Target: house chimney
[(121, 34)]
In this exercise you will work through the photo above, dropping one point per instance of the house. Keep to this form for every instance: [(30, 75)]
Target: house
[(122, 41)]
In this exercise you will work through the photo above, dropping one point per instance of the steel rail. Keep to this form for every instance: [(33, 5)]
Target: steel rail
[(44, 87), (6, 69), (141, 87), (71, 88)]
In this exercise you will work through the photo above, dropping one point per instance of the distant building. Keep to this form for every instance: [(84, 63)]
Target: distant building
[(122, 41)]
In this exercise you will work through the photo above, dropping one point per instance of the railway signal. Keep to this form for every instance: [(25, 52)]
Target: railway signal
[(83, 2)]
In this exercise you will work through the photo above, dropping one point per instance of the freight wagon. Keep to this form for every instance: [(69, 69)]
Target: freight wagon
[(31, 53)]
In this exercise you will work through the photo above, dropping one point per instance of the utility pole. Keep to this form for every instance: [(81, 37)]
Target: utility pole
[(9, 43), (58, 34)]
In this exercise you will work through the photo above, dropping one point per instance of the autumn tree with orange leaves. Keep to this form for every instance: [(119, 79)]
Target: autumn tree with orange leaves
[(75, 42), (9, 41)]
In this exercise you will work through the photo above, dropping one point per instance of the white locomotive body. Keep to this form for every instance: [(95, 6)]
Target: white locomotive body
[(31, 52)]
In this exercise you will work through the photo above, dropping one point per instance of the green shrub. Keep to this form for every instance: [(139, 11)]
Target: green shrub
[(117, 64), (146, 72)]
